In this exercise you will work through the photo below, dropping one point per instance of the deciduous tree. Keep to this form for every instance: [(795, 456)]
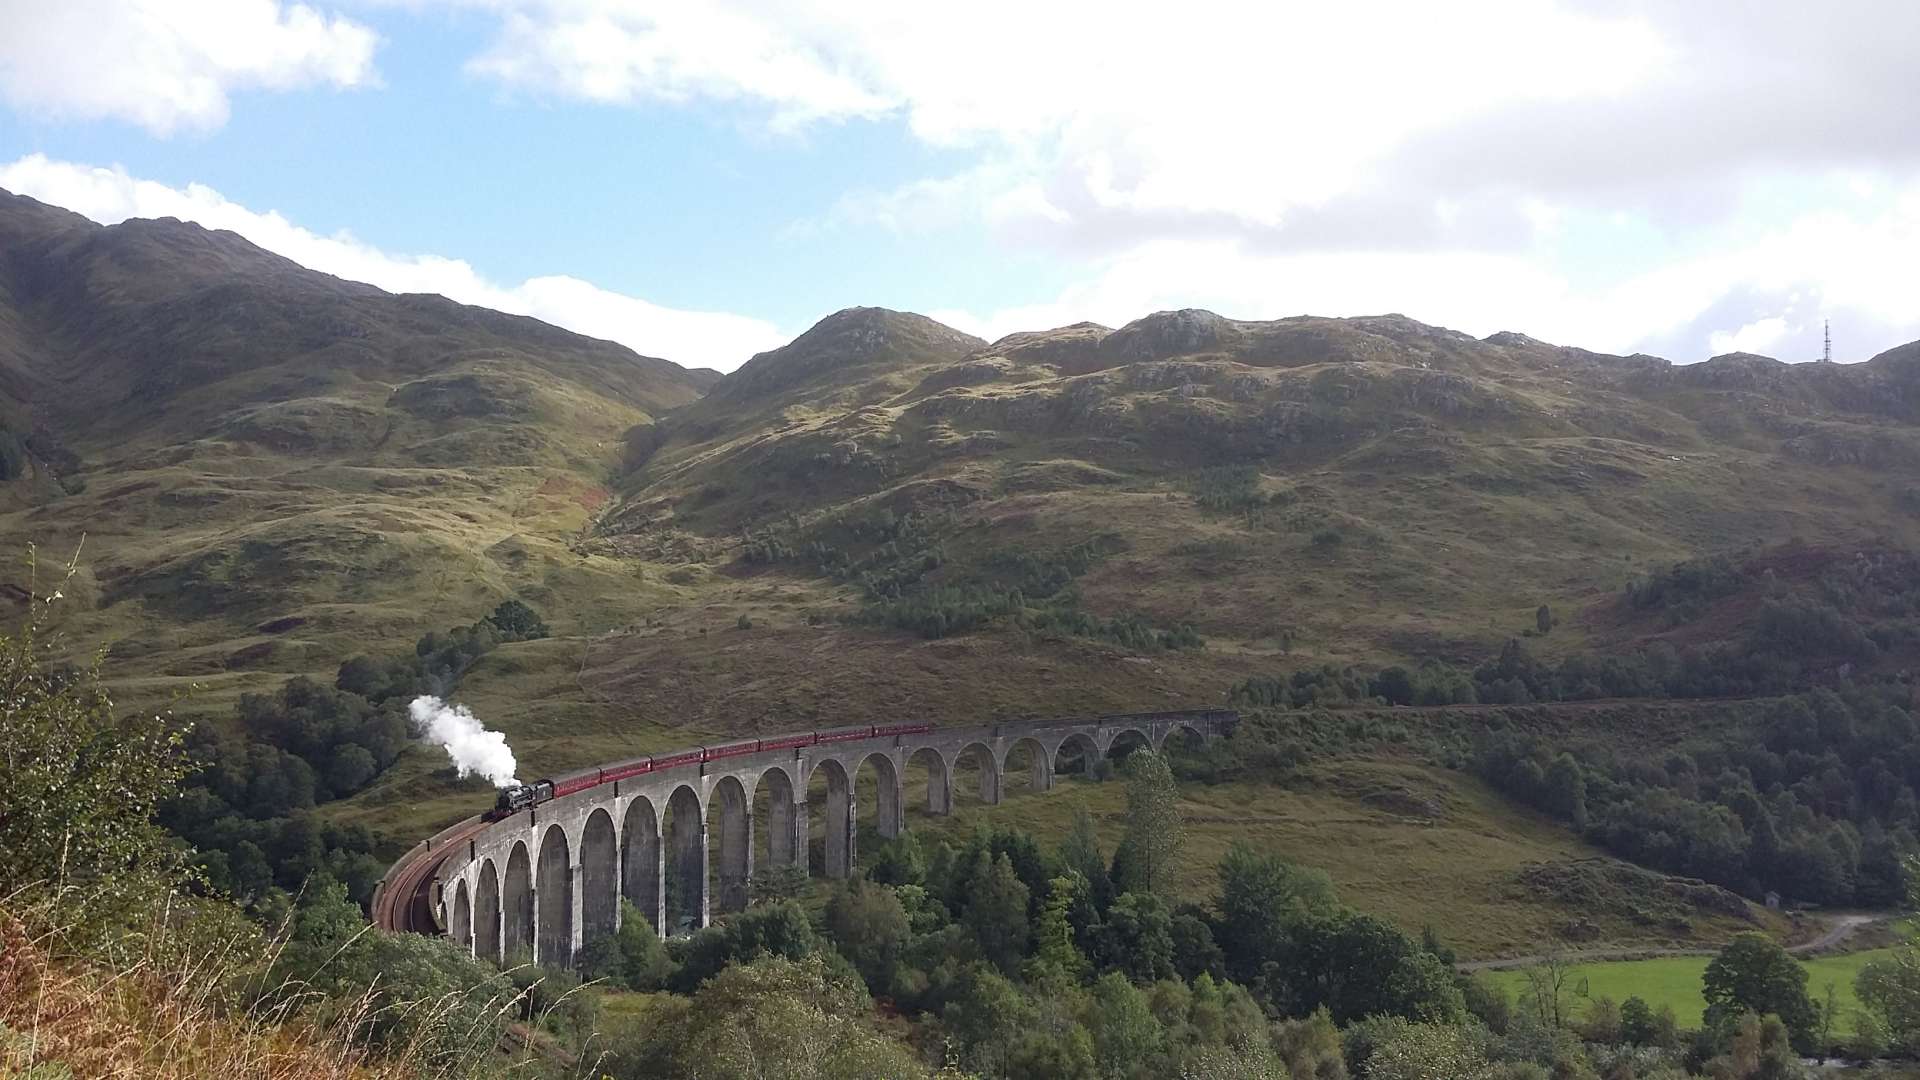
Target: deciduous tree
[(1754, 974), (773, 1018), (1261, 897)]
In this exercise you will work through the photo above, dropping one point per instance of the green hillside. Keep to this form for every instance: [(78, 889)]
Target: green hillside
[(275, 470), (1295, 492)]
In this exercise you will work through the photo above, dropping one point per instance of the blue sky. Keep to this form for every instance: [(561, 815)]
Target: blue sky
[(703, 181)]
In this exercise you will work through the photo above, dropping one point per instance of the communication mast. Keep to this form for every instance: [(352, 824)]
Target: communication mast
[(1826, 334)]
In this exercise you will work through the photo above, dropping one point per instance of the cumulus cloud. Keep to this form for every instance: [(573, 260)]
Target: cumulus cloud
[(620, 52), (693, 338), (1129, 119), (170, 64), (1611, 172), (1306, 127), (1767, 292)]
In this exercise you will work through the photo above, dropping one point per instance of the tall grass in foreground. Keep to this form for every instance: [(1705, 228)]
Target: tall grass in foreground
[(113, 962), (173, 1001)]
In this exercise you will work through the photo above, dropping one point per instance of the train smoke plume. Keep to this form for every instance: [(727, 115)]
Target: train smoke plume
[(472, 747)]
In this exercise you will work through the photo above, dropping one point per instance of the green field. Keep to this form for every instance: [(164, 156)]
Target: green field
[(1675, 981)]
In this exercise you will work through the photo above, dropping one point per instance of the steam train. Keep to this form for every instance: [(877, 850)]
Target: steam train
[(519, 797)]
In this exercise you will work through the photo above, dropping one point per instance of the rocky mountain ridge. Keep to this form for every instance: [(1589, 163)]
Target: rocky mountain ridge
[(274, 467)]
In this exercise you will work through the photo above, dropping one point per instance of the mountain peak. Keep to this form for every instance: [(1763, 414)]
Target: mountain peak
[(1171, 333), (168, 330), (1900, 356), (23, 214), (849, 339), (877, 326), (1517, 340)]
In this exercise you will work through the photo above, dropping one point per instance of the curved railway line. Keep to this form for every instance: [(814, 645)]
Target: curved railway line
[(433, 887), (404, 900), (401, 901)]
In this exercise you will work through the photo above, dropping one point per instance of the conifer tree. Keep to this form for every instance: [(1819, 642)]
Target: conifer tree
[(1154, 828)]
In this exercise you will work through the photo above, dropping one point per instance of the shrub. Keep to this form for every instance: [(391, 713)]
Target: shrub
[(771, 1017), (517, 622), (407, 991), (81, 790), (779, 929)]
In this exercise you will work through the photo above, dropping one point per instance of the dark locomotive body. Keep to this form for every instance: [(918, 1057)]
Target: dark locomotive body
[(518, 797)]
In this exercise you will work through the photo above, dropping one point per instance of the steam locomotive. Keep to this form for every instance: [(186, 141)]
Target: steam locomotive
[(518, 797)]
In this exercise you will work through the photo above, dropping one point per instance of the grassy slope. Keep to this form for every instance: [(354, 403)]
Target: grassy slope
[(274, 468), (157, 1014), (1468, 483), (1461, 508)]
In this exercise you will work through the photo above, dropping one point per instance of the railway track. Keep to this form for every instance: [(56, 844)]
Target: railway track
[(400, 901)]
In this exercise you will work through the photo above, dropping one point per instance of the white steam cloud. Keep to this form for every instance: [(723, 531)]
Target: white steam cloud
[(473, 748)]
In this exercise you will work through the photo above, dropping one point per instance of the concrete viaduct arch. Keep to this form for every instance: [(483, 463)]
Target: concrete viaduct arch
[(538, 884)]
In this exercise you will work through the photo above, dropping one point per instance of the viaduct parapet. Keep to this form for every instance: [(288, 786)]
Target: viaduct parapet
[(539, 883)]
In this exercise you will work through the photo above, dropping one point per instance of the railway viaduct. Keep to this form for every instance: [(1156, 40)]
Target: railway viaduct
[(539, 883)]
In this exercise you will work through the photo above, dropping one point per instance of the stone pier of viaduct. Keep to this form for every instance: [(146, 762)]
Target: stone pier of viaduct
[(539, 883)]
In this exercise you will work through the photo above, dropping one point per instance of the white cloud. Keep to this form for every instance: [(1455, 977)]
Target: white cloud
[(1766, 293), (628, 52), (693, 338), (1220, 108), (1583, 170), (1755, 337), (169, 64), (1303, 123), (1234, 155)]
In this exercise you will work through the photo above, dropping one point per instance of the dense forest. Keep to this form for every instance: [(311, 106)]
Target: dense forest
[(1851, 620), (1814, 802), (1811, 797)]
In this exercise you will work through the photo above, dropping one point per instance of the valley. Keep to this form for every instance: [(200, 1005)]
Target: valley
[(1500, 614)]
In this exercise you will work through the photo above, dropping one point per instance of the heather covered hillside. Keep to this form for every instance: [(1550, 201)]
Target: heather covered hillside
[(271, 465), (274, 469), (1307, 490)]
